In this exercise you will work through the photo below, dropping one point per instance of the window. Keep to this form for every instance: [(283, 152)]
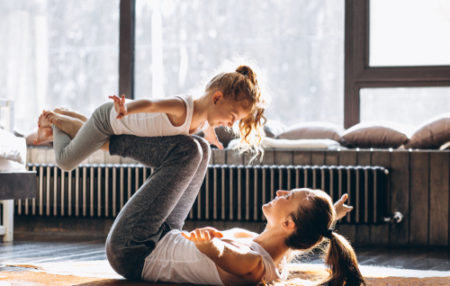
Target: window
[(297, 45), (367, 37), (58, 53)]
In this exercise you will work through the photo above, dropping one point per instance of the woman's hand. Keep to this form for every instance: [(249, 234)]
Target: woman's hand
[(341, 208), (202, 236), (119, 105)]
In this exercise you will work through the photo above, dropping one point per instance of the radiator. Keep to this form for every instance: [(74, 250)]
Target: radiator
[(229, 193)]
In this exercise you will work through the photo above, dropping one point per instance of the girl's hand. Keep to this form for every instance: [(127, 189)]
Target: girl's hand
[(119, 105), (202, 236), (211, 137), (341, 208)]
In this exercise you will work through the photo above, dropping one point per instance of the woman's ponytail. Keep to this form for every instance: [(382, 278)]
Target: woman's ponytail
[(341, 259)]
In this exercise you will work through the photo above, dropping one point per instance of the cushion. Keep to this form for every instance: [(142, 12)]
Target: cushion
[(431, 134), (299, 144), (374, 135), (12, 147), (273, 127), (312, 130), (224, 134)]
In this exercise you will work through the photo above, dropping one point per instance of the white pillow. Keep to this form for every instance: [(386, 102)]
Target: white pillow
[(300, 144), (12, 147)]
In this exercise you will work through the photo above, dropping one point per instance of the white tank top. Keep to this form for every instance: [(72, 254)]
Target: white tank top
[(176, 259), (151, 124)]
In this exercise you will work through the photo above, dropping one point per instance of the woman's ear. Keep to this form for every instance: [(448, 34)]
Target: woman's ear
[(288, 224), (217, 95)]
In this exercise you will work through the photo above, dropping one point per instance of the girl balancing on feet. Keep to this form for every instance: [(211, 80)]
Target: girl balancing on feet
[(228, 98)]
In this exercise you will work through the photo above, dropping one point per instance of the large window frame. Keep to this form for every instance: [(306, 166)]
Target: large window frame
[(358, 74)]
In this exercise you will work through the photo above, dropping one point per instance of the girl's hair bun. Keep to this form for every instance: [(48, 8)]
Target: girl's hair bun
[(248, 72)]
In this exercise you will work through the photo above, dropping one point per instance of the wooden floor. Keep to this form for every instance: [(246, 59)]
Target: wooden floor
[(36, 249)]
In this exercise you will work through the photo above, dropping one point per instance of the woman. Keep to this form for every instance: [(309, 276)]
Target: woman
[(146, 241)]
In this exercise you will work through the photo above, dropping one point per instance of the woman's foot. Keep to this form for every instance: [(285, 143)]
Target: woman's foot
[(70, 113), (43, 135)]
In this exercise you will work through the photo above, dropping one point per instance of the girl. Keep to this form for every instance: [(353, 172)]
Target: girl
[(228, 98)]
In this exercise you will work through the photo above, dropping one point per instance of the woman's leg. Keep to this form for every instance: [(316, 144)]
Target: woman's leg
[(180, 212), (141, 222), (90, 137)]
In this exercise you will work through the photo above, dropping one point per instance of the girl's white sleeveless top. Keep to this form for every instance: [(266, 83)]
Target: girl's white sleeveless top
[(176, 259), (151, 124)]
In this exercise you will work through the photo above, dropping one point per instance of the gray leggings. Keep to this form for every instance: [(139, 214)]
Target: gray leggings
[(69, 153), (162, 202)]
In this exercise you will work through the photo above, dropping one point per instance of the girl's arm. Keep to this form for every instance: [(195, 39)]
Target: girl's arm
[(172, 106), (211, 137), (244, 263)]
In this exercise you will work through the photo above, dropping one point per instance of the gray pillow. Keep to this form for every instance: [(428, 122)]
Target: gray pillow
[(432, 134), (224, 134), (374, 135), (312, 130)]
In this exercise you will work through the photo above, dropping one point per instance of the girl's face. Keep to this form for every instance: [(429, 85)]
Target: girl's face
[(284, 204), (225, 112)]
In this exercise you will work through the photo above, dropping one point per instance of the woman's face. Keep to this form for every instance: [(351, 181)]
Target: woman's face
[(284, 204)]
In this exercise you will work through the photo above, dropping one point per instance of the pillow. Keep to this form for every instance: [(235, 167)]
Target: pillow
[(374, 135), (273, 127), (300, 144), (312, 130), (12, 147), (432, 134), (224, 134)]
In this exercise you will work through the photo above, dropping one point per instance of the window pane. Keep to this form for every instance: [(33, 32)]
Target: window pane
[(58, 53), (411, 106), (409, 32), (298, 46)]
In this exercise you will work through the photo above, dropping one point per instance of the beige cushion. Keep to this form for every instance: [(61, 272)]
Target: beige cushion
[(432, 134), (312, 130), (374, 135)]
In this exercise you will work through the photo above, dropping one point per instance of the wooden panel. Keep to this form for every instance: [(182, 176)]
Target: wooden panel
[(379, 234), (439, 195), (283, 157), (234, 158), (399, 178), (269, 157), (218, 156), (362, 231), (331, 157), (347, 157), (317, 158), (420, 163), (302, 158)]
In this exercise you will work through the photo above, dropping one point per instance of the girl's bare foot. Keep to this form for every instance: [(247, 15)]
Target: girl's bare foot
[(44, 135), (43, 121), (68, 125), (70, 113)]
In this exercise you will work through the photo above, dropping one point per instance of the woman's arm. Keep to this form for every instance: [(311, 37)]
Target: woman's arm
[(240, 262), (172, 106)]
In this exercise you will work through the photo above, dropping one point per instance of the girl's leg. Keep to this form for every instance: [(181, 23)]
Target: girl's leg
[(180, 212), (92, 135), (141, 222)]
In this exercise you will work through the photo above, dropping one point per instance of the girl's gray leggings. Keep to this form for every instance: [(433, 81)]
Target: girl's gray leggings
[(162, 202)]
